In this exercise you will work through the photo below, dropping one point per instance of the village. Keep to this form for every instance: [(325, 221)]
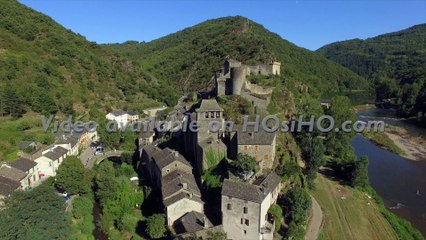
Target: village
[(245, 197)]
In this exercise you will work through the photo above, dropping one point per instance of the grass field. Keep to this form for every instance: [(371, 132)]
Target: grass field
[(353, 217), (13, 131)]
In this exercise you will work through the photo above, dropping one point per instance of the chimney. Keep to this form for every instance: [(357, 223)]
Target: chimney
[(185, 186)]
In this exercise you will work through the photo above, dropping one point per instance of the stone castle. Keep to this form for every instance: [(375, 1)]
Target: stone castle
[(232, 80)]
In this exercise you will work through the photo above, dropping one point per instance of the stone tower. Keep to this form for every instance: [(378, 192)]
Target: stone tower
[(209, 111)]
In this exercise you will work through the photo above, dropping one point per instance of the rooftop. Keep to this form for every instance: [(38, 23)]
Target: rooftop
[(7, 186), (23, 164), (191, 222), (52, 155), (255, 192), (209, 105), (167, 156), (251, 137), (178, 181), (12, 173)]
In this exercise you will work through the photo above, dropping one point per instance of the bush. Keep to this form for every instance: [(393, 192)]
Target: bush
[(155, 226)]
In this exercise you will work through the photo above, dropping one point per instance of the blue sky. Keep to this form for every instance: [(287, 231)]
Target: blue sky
[(310, 24)]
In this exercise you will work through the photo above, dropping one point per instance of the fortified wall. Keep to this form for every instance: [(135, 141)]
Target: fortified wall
[(232, 80)]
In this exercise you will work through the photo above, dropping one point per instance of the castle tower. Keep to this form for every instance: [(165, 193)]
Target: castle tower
[(209, 111)]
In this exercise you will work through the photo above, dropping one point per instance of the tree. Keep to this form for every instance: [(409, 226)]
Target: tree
[(36, 214), (127, 157), (244, 164), (277, 213), (82, 206), (297, 203), (360, 174), (106, 185), (155, 226), (71, 177)]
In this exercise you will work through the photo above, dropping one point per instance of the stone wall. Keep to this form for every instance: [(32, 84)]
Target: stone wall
[(231, 218)]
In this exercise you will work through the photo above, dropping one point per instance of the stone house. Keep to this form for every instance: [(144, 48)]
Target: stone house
[(181, 195), (245, 207), (169, 171), (14, 174), (30, 168), (7, 187), (261, 145)]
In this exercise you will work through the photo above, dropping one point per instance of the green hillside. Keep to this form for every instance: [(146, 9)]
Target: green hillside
[(394, 62), (47, 69), (187, 59)]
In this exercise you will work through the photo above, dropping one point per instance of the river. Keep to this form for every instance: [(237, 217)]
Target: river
[(396, 179)]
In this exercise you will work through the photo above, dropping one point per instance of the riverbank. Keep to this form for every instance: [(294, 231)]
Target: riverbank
[(414, 147)]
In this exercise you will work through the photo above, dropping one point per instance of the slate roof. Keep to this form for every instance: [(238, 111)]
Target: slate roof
[(118, 113), (167, 156), (23, 164), (242, 190), (7, 186), (209, 105), (191, 222), (268, 182), (68, 139), (132, 113), (169, 201), (60, 150), (12, 173), (52, 155), (251, 137), (255, 192), (174, 182)]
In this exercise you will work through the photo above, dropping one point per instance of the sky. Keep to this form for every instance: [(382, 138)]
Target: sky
[(307, 23)]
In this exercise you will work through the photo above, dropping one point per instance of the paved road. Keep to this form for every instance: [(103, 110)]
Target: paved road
[(315, 223), (87, 157)]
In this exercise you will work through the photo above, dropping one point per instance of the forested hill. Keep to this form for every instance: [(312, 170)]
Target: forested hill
[(395, 62), (187, 59), (48, 69)]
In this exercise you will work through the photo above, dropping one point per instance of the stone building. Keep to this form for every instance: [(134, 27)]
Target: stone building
[(259, 144), (208, 139), (232, 80), (15, 175), (245, 207), (169, 171), (30, 168)]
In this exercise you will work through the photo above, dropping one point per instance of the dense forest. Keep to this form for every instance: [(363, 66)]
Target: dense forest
[(187, 59), (47, 69), (394, 62)]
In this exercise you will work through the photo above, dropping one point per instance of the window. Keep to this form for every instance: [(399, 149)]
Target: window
[(217, 114), (266, 157), (245, 231), (242, 220), (245, 211), (207, 115), (256, 148), (245, 148), (228, 206), (247, 222), (212, 114)]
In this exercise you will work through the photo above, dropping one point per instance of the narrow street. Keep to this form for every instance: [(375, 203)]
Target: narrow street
[(315, 222)]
